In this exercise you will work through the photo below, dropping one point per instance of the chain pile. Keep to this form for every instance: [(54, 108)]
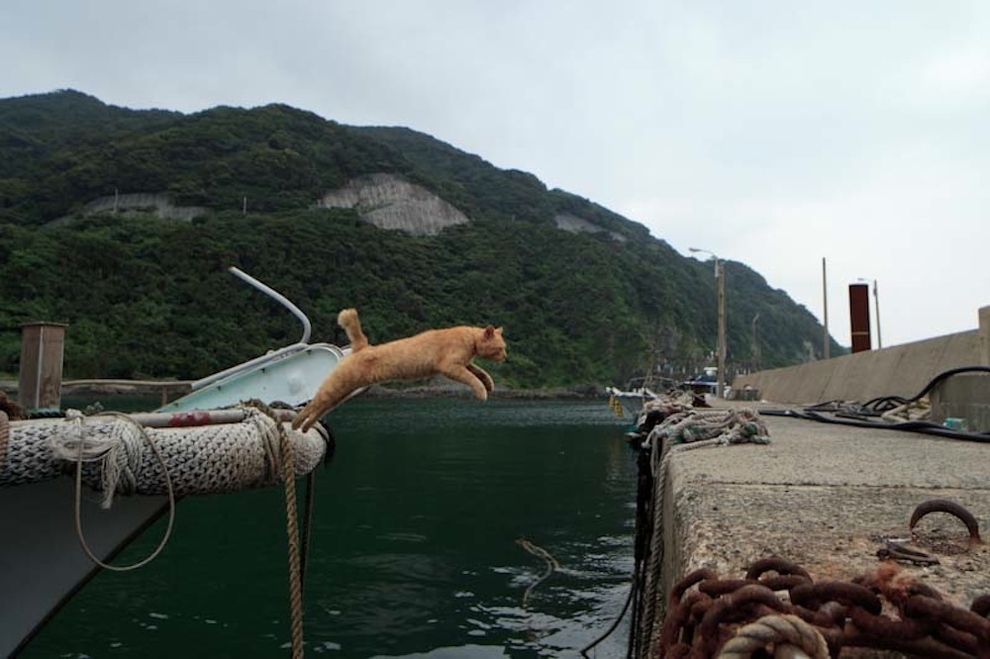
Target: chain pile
[(778, 604)]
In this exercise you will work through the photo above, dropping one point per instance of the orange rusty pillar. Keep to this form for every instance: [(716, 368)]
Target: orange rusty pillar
[(859, 316), (42, 347)]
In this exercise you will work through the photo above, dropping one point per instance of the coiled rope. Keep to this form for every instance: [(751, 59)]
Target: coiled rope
[(790, 635)]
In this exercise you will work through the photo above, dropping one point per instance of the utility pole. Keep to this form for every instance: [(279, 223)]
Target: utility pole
[(720, 274), (825, 341), (720, 286), (876, 302), (755, 356)]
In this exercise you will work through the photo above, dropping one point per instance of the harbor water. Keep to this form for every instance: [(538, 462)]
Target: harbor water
[(414, 550)]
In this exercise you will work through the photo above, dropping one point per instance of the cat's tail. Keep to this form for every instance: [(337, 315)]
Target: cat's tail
[(348, 319)]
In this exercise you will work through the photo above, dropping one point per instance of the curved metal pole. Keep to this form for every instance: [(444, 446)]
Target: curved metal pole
[(876, 300), (278, 297)]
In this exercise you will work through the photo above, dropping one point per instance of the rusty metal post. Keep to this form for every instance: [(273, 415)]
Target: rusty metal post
[(40, 384), (859, 316)]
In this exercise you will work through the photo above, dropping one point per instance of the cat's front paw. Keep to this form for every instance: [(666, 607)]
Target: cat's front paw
[(305, 418)]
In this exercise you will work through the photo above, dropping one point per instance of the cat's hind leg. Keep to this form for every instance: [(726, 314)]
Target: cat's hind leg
[(348, 319), (482, 375)]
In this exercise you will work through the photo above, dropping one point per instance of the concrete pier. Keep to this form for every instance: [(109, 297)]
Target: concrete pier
[(825, 497)]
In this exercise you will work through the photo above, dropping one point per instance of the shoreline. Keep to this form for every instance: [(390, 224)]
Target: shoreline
[(178, 388)]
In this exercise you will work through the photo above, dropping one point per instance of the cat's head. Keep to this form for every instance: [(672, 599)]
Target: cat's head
[(491, 345)]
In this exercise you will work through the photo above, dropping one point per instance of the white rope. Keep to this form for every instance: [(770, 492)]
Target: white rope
[(207, 459), (113, 468), (271, 438), (123, 457), (791, 637)]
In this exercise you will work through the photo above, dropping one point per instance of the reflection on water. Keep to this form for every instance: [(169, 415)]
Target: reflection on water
[(413, 552)]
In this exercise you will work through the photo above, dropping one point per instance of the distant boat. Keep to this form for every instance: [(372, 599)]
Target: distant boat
[(705, 382)]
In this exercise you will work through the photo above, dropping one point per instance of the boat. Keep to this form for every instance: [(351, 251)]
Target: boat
[(48, 555), (632, 396), (704, 383), (628, 400), (648, 408)]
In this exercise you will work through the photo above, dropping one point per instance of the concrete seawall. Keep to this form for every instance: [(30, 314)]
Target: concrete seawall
[(826, 497), (901, 370)]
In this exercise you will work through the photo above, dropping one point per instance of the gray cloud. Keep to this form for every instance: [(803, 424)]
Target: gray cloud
[(773, 133)]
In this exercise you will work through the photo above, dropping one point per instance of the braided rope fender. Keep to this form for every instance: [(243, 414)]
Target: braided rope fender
[(4, 435), (200, 460), (779, 630)]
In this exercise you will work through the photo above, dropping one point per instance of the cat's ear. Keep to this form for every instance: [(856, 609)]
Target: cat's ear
[(490, 332)]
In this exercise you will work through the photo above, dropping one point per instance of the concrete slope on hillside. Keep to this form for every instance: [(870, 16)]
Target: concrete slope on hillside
[(139, 204), (575, 224), (389, 202)]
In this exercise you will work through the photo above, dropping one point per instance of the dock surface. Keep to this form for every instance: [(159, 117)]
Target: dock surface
[(826, 497)]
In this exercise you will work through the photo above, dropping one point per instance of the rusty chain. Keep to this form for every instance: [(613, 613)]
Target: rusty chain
[(883, 610)]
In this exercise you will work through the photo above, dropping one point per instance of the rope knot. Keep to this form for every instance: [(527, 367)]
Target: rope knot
[(118, 451), (121, 465)]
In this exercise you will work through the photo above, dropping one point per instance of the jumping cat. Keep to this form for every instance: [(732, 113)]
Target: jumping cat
[(446, 352)]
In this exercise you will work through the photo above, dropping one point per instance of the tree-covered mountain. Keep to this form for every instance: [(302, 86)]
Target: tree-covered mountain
[(585, 295)]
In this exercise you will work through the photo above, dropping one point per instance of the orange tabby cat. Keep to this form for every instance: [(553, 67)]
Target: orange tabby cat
[(446, 352)]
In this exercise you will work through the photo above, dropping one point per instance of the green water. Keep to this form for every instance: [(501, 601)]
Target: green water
[(413, 550)]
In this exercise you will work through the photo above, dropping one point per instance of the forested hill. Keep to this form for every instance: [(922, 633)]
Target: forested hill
[(122, 224)]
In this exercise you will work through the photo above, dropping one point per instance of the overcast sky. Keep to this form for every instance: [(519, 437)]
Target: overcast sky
[(775, 133)]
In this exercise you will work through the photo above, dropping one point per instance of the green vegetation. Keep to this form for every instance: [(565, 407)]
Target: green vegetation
[(152, 298)]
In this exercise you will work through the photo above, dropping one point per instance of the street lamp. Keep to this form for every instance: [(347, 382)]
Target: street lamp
[(720, 286), (876, 305)]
